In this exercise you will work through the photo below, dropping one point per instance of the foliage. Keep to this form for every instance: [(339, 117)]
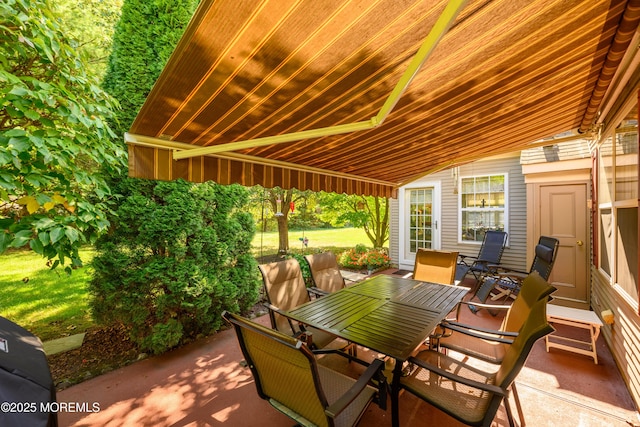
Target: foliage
[(91, 24), (304, 267), (177, 257), (144, 38), (55, 143), (370, 213), (361, 258)]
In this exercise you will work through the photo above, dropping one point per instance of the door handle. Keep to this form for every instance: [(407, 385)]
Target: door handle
[(580, 243)]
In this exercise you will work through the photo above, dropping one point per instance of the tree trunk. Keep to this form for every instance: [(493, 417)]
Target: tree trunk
[(283, 233), (282, 208)]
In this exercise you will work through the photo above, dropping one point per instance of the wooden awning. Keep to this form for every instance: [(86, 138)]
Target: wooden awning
[(364, 96)]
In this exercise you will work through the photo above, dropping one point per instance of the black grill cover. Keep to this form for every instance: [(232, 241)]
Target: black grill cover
[(26, 386)]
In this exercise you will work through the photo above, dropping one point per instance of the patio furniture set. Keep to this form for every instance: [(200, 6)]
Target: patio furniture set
[(412, 326)]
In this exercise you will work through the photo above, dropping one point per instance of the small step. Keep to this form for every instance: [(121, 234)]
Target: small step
[(63, 344)]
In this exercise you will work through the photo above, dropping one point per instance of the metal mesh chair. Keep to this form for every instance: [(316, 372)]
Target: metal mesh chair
[(488, 344), (285, 290), (435, 266), (490, 254), (508, 282), (464, 391), (288, 376), (325, 272)]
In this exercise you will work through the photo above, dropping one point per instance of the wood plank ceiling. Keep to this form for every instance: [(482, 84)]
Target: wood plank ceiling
[(505, 74)]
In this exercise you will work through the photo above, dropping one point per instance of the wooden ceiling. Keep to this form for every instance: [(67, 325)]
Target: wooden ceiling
[(274, 88)]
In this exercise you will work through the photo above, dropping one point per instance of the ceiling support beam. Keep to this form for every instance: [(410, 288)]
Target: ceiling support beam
[(439, 29)]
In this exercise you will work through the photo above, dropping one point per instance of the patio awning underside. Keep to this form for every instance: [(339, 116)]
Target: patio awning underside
[(506, 73)]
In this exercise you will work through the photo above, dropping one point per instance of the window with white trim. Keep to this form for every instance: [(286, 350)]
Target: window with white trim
[(618, 207), (482, 201)]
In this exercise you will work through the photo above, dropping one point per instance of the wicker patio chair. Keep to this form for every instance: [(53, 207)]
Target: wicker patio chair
[(288, 376)]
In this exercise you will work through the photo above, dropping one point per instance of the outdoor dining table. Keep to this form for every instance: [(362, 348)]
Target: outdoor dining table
[(387, 314)]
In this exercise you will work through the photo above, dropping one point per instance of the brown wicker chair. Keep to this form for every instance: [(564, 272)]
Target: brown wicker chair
[(287, 375), (467, 393)]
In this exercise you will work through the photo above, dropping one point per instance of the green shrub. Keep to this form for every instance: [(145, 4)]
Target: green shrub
[(361, 258), (177, 256)]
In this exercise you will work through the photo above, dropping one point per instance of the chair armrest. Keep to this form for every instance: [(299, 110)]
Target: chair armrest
[(316, 292), (482, 333), (273, 309), (457, 378), (484, 305), (376, 367)]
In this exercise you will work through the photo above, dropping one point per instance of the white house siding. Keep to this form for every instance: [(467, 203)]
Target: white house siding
[(515, 254)]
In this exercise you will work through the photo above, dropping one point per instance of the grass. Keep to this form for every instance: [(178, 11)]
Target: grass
[(49, 303), (331, 239), (52, 304)]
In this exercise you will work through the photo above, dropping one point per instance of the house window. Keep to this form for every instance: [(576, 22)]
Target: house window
[(618, 207), (482, 202)]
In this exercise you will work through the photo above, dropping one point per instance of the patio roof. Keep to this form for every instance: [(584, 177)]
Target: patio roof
[(364, 96)]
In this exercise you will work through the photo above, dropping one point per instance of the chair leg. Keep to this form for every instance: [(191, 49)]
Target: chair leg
[(518, 405)]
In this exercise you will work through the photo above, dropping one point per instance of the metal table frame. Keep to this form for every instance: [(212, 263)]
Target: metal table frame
[(387, 314)]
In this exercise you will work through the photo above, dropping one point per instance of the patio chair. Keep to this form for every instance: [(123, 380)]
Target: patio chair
[(325, 272), (285, 290), (466, 392), (508, 282), (435, 266), (488, 344), (489, 255), (287, 375)]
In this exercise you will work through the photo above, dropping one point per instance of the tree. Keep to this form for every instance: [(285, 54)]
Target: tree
[(370, 213), (55, 143), (91, 24), (144, 38)]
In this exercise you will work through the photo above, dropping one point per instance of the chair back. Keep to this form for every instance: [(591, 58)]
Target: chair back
[(534, 327), (493, 246), (284, 287), (546, 252), (435, 266), (534, 288), (283, 368), (325, 271)]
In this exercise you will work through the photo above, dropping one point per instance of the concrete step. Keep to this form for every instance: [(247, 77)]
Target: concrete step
[(63, 344)]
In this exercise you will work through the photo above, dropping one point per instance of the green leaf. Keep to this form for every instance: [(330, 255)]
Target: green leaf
[(37, 246), (5, 239), (56, 234), (72, 234), (21, 238)]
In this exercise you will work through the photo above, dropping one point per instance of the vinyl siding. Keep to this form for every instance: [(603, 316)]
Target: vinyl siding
[(623, 336), (515, 253)]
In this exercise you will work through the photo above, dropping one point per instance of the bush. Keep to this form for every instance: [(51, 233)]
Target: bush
[(177, 256), (361, 258)]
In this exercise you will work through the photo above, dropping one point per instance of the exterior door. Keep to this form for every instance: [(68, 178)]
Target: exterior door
[(420, 232), (563, 215)]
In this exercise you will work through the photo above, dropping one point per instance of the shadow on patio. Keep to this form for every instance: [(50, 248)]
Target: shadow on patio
[(202, 384)]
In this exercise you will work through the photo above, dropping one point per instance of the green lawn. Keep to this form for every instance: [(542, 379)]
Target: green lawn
[(49, 303), (52, 304), (333, 239)]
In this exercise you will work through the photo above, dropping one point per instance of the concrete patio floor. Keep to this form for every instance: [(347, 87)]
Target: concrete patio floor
[(203, 384)]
